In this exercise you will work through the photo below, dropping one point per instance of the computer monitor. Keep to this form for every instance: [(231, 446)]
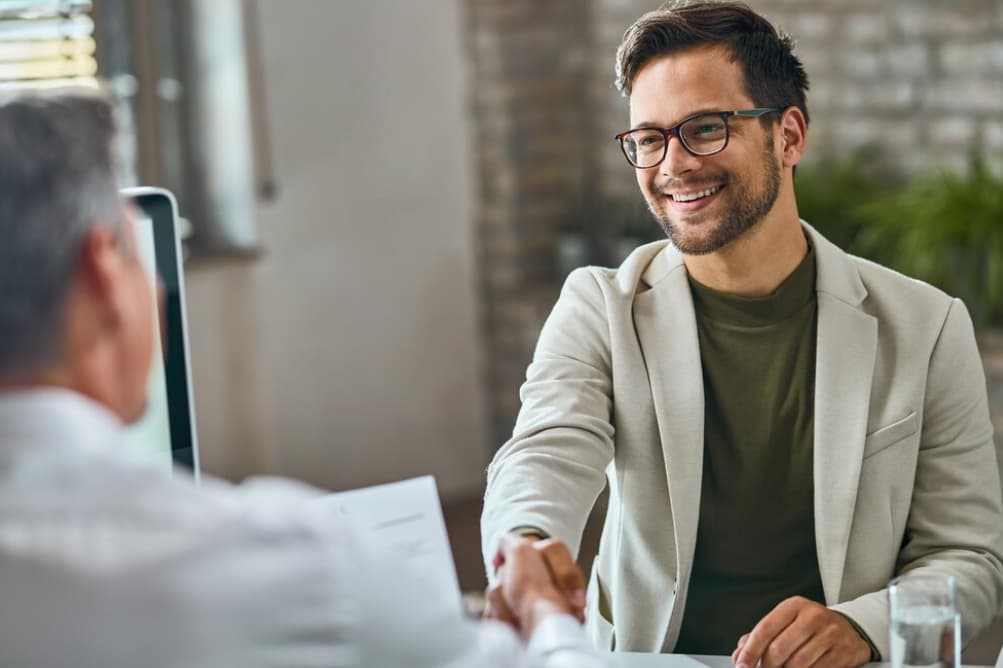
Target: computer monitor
[(165, 435)]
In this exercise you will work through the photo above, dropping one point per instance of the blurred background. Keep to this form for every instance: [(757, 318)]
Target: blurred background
[(382, 197)]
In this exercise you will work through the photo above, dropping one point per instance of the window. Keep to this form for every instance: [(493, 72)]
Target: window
[(46, 42), (190, 102)]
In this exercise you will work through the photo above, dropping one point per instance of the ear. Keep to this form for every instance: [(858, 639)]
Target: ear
[(101, 271), (794, 131)]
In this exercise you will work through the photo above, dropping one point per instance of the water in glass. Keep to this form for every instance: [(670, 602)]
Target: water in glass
[(925, 636)]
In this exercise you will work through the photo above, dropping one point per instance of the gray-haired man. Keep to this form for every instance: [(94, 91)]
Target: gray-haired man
[(105, 563)]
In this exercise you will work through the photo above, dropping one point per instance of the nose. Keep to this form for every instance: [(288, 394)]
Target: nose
[(678, 160)]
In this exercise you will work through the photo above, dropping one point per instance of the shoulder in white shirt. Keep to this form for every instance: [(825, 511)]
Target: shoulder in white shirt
[(107, 563)]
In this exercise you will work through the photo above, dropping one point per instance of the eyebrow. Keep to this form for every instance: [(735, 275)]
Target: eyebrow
[(648, 125)]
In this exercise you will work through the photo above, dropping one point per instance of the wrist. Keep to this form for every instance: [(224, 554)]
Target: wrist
[(872, 650)]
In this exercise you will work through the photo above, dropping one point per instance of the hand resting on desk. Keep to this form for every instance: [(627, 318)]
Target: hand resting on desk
[(800, 633)]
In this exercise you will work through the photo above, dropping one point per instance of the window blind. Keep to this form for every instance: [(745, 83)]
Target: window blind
[(46, 42)]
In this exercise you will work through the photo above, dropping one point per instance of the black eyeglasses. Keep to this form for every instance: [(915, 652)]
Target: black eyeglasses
[(701, 134)]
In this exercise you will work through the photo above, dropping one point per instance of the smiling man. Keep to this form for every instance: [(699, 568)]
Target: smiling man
[(784, 428)]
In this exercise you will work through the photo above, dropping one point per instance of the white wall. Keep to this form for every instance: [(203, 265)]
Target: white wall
[(348, 354)]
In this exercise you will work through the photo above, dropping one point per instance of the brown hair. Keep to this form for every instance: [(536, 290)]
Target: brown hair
[(774, 77)]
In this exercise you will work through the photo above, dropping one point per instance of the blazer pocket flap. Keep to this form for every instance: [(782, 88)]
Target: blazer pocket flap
[(891, 434)]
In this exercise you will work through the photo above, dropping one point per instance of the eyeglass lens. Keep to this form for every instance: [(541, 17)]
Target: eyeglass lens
[(702, 135)]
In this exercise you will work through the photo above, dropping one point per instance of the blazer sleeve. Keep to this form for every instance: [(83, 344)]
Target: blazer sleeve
[(955, 524), (550, 472)]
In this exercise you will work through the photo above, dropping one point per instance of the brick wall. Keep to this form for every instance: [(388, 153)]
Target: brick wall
[(922, 79), (528, 85)]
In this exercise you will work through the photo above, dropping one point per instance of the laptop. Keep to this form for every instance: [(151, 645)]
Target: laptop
[(165, 435)]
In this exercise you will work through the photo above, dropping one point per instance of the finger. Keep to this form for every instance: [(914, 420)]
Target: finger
[(768, 628), (566, 575), (803, 629), (810, 653), (497, 560), (738, 647), (489, 611), (563, 570), (496, 606), (505, 545), (499, 609), (562, 565)]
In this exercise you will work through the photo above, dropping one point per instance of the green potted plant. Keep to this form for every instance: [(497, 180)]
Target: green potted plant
[(831, 190), (946, 229)]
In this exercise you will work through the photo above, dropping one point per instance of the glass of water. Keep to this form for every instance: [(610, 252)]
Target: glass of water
[(925, 624)]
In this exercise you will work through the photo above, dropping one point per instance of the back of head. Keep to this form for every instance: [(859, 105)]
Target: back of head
[(57, 180), (774, 77)]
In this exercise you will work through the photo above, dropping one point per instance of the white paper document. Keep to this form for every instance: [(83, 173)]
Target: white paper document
[(406, 517)]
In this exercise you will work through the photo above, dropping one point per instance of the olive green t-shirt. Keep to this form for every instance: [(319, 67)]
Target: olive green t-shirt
[(756, 536)]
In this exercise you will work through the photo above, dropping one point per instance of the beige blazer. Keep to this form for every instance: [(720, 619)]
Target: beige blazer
[(905, 472)]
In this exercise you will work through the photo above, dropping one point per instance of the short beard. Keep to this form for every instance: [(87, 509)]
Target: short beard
[(746, 211)]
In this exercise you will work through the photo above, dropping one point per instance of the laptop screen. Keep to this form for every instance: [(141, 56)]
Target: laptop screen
[(165, 435)]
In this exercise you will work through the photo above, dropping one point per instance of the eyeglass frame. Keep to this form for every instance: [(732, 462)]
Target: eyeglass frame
[(674, 131)]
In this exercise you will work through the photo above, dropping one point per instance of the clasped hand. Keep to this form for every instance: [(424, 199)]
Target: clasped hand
[(534, 578)]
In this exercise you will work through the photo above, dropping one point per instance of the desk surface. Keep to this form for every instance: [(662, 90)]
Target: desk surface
[(633, 660)]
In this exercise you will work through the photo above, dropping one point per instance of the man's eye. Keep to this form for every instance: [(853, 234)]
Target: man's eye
[(649, 140), (708, 128)]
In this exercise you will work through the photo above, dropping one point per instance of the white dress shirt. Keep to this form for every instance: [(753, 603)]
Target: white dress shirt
[(108, 563)]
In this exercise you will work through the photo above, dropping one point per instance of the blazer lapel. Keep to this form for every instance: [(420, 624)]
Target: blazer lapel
[(845, 356), (667, 333)]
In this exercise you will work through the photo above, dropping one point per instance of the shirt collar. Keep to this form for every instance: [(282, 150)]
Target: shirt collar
[(55, 417), (790, 297)]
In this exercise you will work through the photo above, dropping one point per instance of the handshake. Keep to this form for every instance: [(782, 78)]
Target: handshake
[(534, 579)]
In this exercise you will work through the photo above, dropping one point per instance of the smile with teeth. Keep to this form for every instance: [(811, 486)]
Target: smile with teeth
[(700, 194)]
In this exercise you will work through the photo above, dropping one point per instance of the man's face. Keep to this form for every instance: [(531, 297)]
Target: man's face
[(743, 179)]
